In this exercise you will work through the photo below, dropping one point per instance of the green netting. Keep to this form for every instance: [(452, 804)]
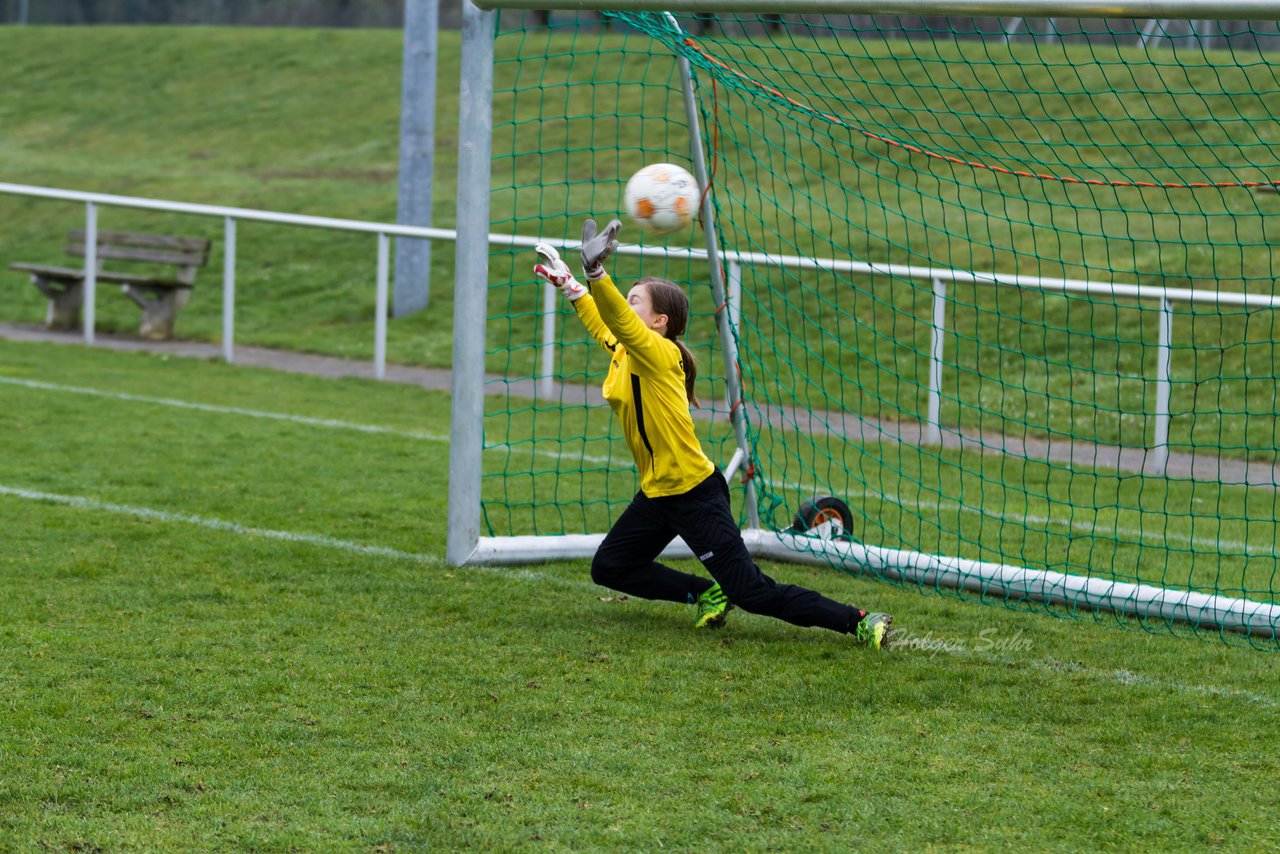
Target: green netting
[(916, 163), (576, 112)]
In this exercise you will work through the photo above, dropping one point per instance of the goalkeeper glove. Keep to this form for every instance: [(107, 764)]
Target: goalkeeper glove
[(597, 247), (552, 269)]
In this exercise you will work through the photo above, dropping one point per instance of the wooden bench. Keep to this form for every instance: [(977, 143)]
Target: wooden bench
[(159, 296)]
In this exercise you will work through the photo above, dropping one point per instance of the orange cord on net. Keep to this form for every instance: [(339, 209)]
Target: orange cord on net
[(715, 150)]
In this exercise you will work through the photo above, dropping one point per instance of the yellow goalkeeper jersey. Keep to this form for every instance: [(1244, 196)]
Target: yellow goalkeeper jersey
[(645, 388)]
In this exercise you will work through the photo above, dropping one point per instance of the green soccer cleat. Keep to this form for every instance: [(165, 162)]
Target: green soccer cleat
[(713, 607), (872, 629)]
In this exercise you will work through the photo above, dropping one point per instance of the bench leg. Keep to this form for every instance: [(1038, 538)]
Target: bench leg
[(159, 308), (66, 300)]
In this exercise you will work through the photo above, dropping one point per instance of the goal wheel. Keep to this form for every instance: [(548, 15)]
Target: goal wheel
[(825, 516)]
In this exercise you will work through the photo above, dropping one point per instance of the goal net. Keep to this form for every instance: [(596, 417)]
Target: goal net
[(1002, 289)]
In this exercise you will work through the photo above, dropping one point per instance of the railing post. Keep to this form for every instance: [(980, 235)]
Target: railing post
[(229, 290), (547, 351), (380, 310), (733, 294), (933, 427), (90, 269), (1164, 362)]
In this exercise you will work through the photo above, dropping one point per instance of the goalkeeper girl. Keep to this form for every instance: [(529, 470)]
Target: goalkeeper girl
[(649, 387)]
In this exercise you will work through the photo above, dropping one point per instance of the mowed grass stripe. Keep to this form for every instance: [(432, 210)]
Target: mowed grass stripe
[(272, 474), (1066, 519), (910, 641), (83, 503), (327, 423), (380, 450)]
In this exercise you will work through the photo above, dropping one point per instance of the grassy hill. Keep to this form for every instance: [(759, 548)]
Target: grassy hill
[(303, 121)]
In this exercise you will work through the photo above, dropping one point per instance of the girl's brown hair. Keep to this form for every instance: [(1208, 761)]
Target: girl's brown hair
[(670, 299)]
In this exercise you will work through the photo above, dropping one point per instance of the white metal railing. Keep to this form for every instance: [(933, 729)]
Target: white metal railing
[(230, 216), (734, 263), (940, 277)]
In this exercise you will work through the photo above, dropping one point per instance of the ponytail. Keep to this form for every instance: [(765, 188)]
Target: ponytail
[(690, 366), (669, 299)]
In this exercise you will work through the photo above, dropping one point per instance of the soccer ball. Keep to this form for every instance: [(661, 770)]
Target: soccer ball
[(662, 198)]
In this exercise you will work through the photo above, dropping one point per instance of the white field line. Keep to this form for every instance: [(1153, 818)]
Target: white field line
[(1128, 678), (559, 455), (82, 503), (327, 423), (1214, 544), (1136, 534), (1114, 532)]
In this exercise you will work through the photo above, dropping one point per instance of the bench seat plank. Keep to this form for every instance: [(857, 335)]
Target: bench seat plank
[(157, 241), (151, 256), (77, 274)]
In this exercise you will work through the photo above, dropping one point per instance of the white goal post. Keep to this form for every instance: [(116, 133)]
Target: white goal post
[(466, 545)]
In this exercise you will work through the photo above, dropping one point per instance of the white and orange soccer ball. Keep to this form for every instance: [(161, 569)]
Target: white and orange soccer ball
[(662, 198)]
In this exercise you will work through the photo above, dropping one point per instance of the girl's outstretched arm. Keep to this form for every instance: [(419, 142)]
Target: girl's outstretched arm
[(552, 269), (621, 320), (646, 346)]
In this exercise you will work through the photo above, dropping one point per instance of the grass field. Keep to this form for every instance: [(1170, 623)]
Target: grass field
[(229, 626)]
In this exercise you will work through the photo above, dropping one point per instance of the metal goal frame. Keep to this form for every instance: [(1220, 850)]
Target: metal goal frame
[(466, 545)]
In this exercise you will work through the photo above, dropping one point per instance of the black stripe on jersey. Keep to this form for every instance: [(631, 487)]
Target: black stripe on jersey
[(635, 395)]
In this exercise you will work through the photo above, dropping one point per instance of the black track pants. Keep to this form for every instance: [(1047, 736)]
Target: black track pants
[(626, 559)]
